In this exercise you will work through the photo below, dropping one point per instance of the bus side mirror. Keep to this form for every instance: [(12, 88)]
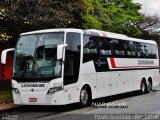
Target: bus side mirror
[(60, 51), (4, 55)]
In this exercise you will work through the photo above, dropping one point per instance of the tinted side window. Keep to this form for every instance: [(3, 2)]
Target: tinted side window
[(130, 49), (139, 49), (90, 48), (118, 47), (105, 47), (153, 51), (147, 50)]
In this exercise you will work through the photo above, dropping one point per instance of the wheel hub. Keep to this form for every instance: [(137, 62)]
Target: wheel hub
[(84, 96)]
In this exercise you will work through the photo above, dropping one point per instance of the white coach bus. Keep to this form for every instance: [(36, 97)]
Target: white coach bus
[(64, 66)]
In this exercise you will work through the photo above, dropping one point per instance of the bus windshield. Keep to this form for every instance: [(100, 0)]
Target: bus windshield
[(35, 57)]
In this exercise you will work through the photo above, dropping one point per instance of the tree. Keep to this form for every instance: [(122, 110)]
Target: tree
[(17, 16), (26, 15), (150, 28), (118, 16), (151, 24)]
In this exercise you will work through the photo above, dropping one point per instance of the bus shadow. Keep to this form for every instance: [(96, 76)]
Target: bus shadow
[(118, 97), (122, 96)]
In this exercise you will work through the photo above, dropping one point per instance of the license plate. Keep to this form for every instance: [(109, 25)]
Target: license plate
[(32, 99)]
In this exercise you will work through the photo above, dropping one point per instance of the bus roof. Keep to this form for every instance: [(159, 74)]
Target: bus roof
[(93, 32), (115, 36), (52, 30)]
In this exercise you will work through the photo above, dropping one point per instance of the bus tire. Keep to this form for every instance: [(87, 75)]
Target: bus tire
[(85, 97), (149, 87), (143, 87)]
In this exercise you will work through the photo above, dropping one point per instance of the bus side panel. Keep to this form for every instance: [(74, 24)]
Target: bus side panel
[(156, 79), (71, 93), (88, 76), (146, 74), (104, 82), (123, 81), (89, 79)]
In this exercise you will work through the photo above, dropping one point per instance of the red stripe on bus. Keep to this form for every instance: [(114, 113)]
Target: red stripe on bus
[(139, 67), (114, 65)]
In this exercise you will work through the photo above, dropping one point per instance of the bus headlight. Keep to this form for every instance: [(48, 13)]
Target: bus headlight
[(54, 89), (16, 90)]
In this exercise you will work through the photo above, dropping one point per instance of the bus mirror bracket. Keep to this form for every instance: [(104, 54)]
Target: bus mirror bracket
[(4, 55), (60, 51)]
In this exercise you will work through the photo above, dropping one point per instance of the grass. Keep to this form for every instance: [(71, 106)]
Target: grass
[(5, 96)]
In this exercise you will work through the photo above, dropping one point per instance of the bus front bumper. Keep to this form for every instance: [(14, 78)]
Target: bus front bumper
[(39, 98)]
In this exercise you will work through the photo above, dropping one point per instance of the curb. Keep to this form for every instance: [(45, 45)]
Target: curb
[(7, 107)]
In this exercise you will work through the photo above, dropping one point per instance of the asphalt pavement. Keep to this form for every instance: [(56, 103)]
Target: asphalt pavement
[(126, 106)]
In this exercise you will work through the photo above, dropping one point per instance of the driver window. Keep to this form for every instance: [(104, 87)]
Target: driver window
[(72, 58)]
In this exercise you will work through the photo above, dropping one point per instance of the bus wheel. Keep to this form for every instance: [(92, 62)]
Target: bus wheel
[(143, 87), (149, 87), (85, 97)]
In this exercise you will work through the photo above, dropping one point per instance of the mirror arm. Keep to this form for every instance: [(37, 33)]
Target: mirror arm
[(61, 61), (4, 55)]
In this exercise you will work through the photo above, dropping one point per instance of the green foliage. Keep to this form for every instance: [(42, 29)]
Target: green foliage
[(118, 16), (17, 16), (91, 22), (88, 18), (5, 96)]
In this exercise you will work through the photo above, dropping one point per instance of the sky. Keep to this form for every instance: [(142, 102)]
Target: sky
[(149, 7)]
